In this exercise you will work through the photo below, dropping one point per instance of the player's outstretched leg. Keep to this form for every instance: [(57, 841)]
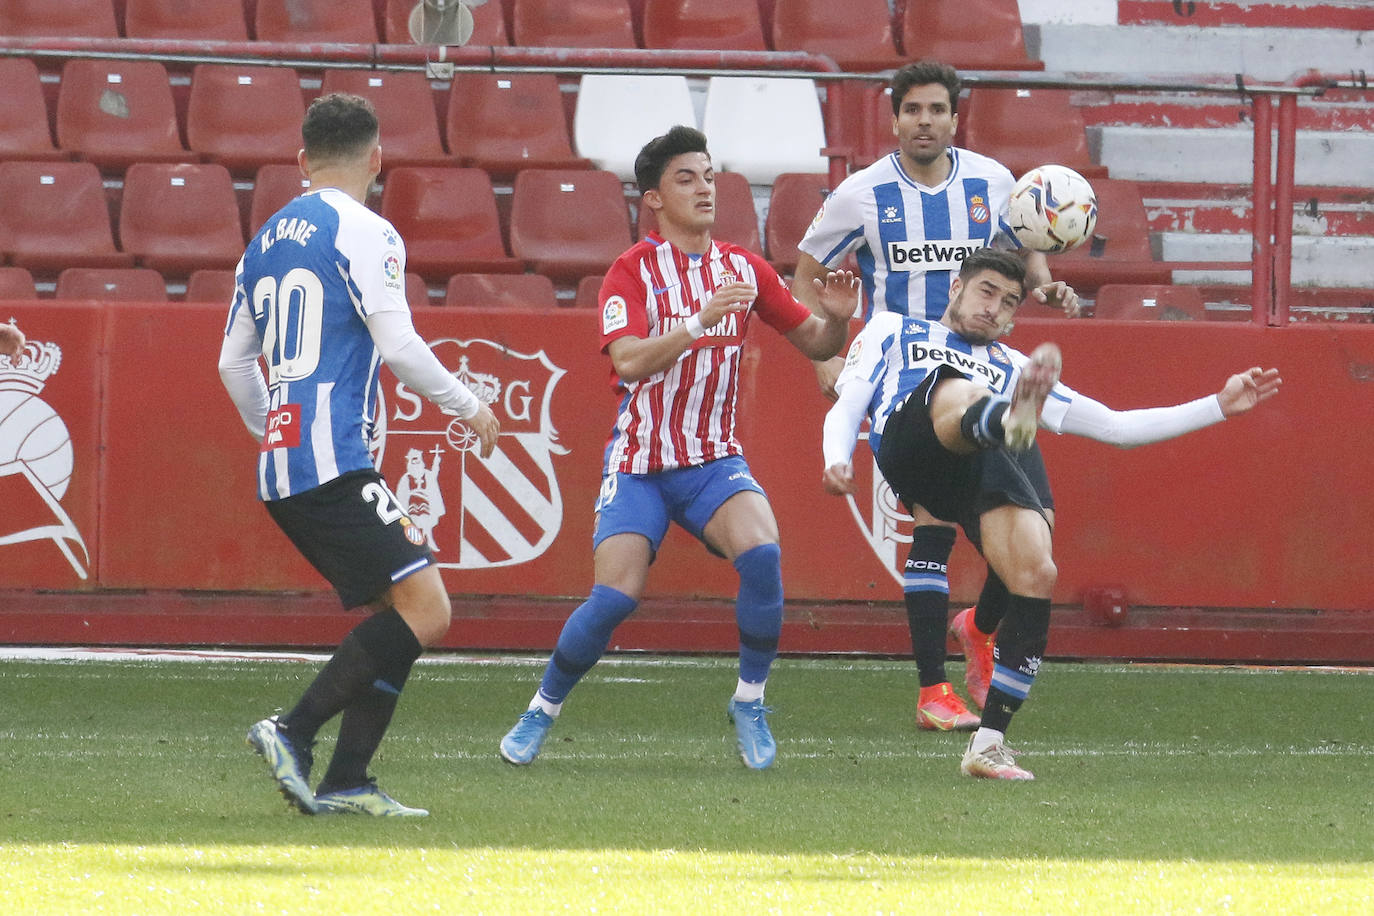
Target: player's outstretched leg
[(365, 799), (1038, 376), (939, 708), (290, 765), (522, 743)]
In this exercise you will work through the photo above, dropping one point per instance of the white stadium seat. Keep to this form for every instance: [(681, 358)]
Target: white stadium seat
[(616, 115), (763, 127)]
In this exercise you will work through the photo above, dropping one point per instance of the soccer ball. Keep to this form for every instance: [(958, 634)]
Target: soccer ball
[(1053, 208)]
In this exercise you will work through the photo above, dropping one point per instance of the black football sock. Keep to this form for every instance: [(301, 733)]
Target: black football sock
[(362, 728), (992, 604), (926, 592), (370, 648), (982, 422), (1020, 646)]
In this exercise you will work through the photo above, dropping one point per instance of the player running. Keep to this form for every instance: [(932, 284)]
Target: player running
[(674, 311), (953, 416), (320, 298)]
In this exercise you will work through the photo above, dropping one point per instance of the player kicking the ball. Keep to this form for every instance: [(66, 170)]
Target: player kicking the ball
[(674, 311), (953, 416)]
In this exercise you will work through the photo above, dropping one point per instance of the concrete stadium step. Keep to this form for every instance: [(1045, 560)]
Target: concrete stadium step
[(1317, 262), (1210, 208), (1289, 14), (1265, 54), (1223, 155)]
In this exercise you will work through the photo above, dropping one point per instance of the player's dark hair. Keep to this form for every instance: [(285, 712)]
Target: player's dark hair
[(923, 73), (339, 126), (1006, 263), (659, 151)]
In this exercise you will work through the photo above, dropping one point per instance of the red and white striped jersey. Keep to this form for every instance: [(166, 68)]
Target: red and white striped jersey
[(685, 415)]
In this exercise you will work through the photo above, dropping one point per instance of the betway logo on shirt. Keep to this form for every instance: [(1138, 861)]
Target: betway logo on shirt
[(928, 255), (962, 363)]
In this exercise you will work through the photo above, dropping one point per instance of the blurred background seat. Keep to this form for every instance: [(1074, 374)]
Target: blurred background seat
[(703, 25), (617, 114), (448, 219), (583, 24), (117, 112), (534, 291), (179, 218), (509, 121), (203, 20), (406, 113), (68, 19), (244, 116), (112, 284), (763, 127), (24, 129), (567, 223), (791, 208), (56, 215), (315, 21)]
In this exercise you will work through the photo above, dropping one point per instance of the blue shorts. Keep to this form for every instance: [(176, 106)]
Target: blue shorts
[(646, 503)]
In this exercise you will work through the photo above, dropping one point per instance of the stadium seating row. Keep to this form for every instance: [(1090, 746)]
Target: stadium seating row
[(563, 223), (114, 113), (977, 34), (1136, 302)]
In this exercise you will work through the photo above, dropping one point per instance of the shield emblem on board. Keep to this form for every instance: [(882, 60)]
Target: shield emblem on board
[(476, 512), (885, 524)]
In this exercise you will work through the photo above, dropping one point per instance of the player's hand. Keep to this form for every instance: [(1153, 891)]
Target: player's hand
[(839, 479), (11, 340), (732, 297), (487, 428), (837, 295), (1058, 295), (827, 371), (1244, 390)]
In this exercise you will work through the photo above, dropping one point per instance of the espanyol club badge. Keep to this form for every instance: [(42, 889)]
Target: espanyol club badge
[(476, 512)]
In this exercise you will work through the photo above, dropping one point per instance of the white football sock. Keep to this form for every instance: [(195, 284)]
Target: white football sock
[(746, 692), (549, 708), (986, 737)]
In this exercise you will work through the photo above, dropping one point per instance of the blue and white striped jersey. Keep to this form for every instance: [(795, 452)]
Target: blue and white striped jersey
[(893, 355), (312, 274), (909, 239)]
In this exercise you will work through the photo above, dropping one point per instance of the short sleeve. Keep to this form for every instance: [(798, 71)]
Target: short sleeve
[(374, 257), (622, 304), (775, 304), (837, 228)]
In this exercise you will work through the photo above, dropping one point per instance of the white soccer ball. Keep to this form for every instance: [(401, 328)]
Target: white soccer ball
[(1053, 208)]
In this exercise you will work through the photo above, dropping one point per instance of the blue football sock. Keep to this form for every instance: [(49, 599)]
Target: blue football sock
[(758, 610), (583, 640)]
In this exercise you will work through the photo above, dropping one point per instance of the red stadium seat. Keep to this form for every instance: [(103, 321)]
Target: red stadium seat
[(968, 34), (178, 218), (117, 112), (528, 291), (405, 111), (417, 290), (509, 121), (861, 38), (796, 198), (1119, 250), (274, 186), (1116, 301), (448, 220), (1023, 128), (703, 25), (112, 284), (210, 285), (488, 24), (568, 224), (204, 20), (736, 219), (68, 19), (589, 292), (56, 215), (245, 116), (560, 24), (24, 130), (863, 132), (16, 283), (316, 20)]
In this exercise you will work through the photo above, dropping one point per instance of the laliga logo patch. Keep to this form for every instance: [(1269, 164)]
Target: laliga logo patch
[(391, 267), (978, 209), (615, 316), (854, 353)]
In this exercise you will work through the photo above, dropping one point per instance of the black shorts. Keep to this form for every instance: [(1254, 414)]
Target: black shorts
[(354, 532), (956, 488)]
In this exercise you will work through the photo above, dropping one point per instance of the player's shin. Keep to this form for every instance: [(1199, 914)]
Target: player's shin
[(1021, 641), (582, 642), (981, 424), (925, 589), (758, 613)]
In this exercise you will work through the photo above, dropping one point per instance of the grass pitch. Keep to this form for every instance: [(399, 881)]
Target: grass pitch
[(127, 788)]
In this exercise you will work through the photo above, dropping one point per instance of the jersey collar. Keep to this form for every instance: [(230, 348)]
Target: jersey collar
[(952, 153)]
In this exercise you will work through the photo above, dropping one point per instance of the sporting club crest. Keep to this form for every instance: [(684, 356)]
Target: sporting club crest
[(36, 462), (476, 512), (885, 524)]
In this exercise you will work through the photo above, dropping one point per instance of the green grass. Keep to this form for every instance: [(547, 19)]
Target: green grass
[(127, 788)]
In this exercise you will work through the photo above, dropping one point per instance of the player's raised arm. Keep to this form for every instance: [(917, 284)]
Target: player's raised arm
[(1245, 390), (835, 299)]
